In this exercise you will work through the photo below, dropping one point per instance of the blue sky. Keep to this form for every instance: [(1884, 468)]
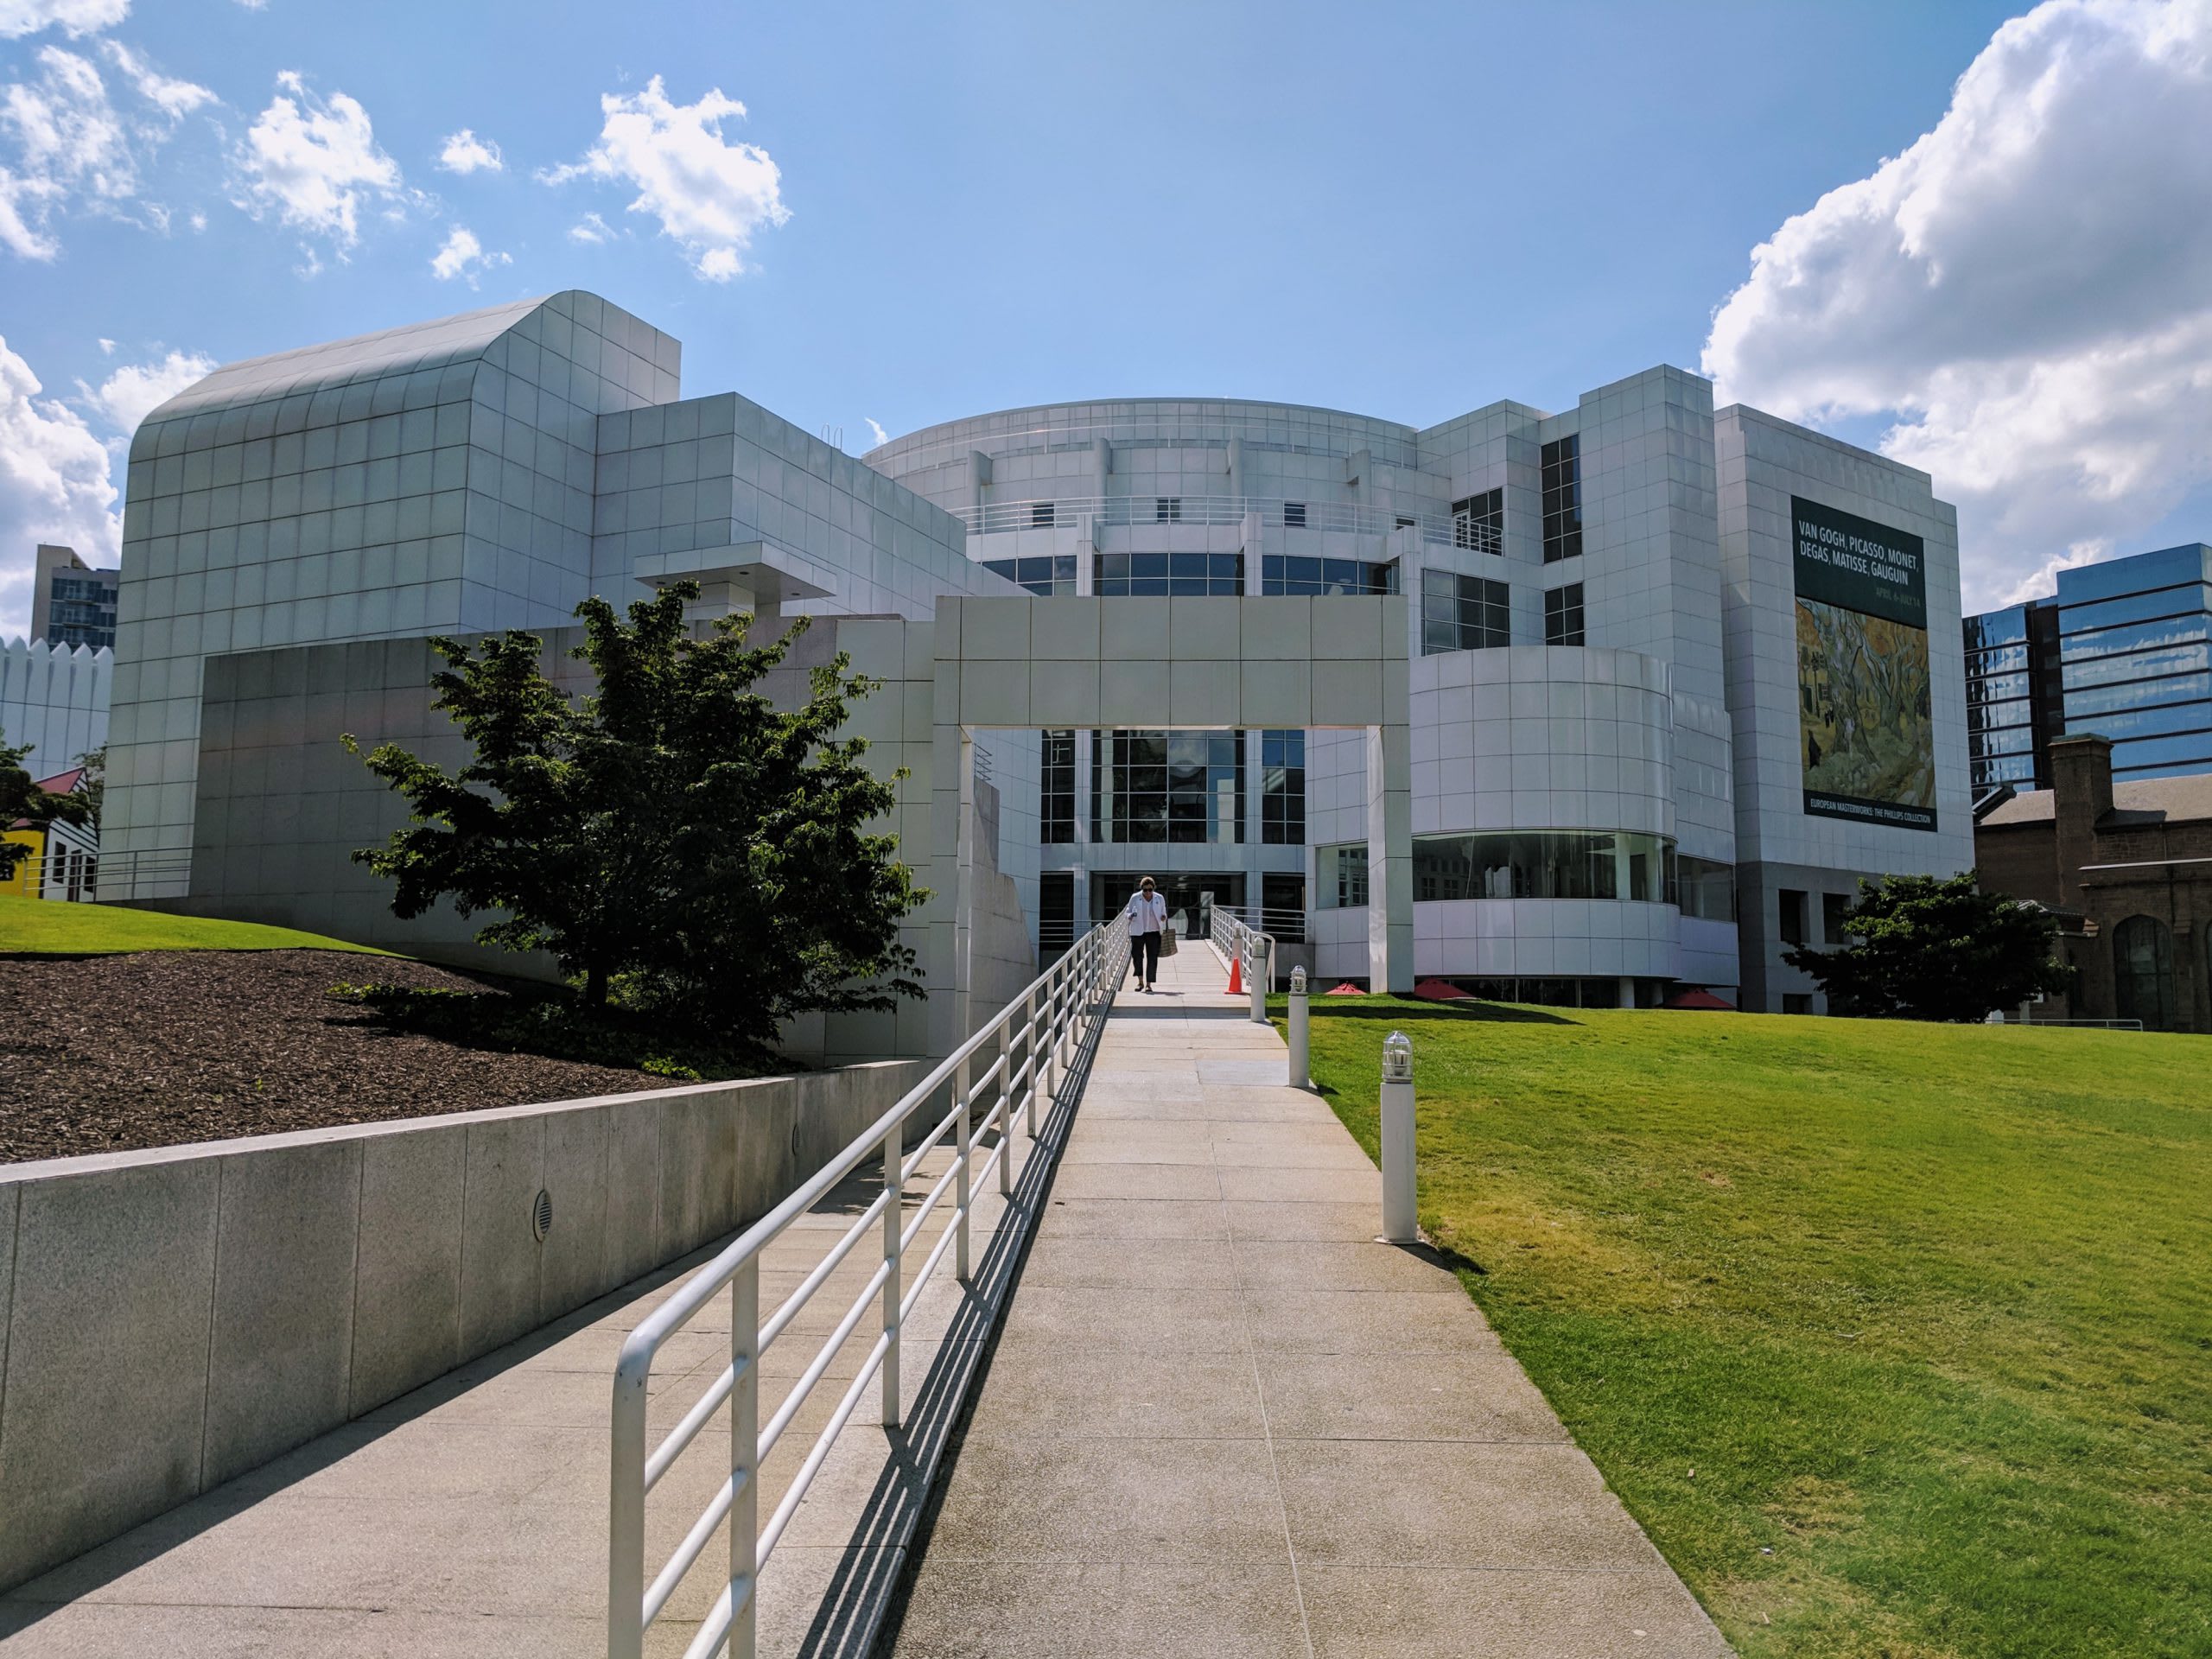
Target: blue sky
[(1403, 210)]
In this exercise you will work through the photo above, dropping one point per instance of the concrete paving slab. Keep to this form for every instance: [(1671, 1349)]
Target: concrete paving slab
[(1222, 1419)]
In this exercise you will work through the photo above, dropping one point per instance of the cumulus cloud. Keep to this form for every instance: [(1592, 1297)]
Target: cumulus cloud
[(591, 229), (75, 17), (464, 152), (2025, 293), (709, 194), (314, 163), (875, 432), (464, 255), (54, 486), (136, 390), (69, 145)]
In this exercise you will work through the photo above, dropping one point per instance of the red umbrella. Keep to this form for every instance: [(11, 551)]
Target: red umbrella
[(1441, 990), (1346, 989)]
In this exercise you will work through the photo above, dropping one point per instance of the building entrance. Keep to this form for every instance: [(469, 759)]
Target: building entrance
[(1192, 895)]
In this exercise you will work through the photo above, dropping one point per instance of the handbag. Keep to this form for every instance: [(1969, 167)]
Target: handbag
[(1167, 940)]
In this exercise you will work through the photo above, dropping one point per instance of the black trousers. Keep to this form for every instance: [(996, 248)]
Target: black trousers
[(1144, 956)]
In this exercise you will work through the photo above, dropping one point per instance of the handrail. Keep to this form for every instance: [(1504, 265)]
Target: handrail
[(1081, 512), (1247, 945), (1048, 1024)]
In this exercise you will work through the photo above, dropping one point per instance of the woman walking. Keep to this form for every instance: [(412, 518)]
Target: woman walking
[(1147, 916)]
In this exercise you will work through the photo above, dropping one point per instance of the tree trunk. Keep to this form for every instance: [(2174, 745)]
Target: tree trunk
[(595, 986)]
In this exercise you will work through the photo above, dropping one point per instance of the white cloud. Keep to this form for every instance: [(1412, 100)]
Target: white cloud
[(464, 255), (710, 196), (2026, 291), (54, 486), (590, 229), (315, 164), (107, 347), (174, 98), (70, 146), (876, 432), (464, 152), (136, 390), (79, 17)]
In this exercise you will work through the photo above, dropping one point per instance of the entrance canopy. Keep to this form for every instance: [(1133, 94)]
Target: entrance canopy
[(1170, 664)]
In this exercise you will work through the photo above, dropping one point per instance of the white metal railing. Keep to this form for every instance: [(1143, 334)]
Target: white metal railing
[(1085, 512), (1256, 949), (150, 872), (1048, 1024), (1286, 925)]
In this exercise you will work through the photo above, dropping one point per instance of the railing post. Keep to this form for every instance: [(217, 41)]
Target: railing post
[(1301, 1057), (894, 1219), (1397, 1112), (1032, 1068), (626, 1517), (963, 1145), (744, 1457), (1006, 1105)]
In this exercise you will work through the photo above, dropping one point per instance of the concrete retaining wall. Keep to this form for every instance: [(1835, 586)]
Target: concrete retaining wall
[(171, 1318)]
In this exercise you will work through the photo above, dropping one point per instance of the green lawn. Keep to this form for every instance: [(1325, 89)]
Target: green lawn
[(1897, 1339), (45, 927)]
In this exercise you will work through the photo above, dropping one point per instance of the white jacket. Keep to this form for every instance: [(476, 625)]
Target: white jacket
[(1147, 913)]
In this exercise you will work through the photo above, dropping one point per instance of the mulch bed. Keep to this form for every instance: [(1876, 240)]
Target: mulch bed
[(114, 1053)]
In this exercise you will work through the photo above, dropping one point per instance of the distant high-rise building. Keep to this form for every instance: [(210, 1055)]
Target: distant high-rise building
[(72, 603), (2124, 650)]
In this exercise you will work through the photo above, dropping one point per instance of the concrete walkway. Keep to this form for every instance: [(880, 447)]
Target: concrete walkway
[(1222, 1420)]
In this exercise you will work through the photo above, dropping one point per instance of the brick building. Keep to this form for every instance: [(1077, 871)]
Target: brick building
[(2128, 868)]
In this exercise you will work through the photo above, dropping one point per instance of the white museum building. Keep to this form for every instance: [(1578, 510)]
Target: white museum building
[(1587, 707)]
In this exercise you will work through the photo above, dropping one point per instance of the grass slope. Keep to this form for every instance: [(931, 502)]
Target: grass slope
[(1897, 1339), (45, 927)]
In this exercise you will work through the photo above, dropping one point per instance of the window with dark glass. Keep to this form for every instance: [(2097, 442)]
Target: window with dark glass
[(1562, 476), (1056, 909), (1281, 574), (1343, 875), (1184, 576), (1282, 788), (1463, 612), (1832, 905), (1706, 889), (1478, 523), (1563, 615), (1047, 576), (1168, 787), (1293, 515), (1168, 510), (1794, 904), (1056, 802), (1040, 514), (1544, 864), (1404, 522)]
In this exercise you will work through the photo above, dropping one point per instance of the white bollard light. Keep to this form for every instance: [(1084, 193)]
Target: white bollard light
[(1398, 1188), (1301, 1076), (1256, 976)]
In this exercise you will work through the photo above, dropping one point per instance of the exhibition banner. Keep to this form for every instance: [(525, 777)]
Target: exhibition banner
[(1868, 734)]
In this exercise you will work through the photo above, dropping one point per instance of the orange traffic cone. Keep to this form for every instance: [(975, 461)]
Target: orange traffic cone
[(1236, 976)]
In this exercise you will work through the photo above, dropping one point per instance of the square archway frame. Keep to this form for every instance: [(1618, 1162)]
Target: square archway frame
[(1165, 664)]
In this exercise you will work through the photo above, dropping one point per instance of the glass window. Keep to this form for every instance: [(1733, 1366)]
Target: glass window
[(1478, 523), (1282, 788), (2193, 598), (2132, 637), (1562, 476), (1046, 576), (1463, 612), (1343, 875), (1184, 576), (1544, 864), (1168, 510), (2098, 700), (1794, 906), (1056, 806), (1040, 514), (1706, 889), (1293, 515), (2143, 971), (1171, 786), (1563, 615), (2181, 657), (1281, 574)]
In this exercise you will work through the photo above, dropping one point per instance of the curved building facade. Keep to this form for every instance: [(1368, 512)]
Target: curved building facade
[(1571, 744)]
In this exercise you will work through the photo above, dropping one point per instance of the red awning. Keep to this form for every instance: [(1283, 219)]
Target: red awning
[(1346, 989), (1698, 1000), (1441, 990)]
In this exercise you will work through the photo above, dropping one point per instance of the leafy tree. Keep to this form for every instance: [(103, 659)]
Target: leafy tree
[(21, 798), (93, 784), (673, 834), (1929, 948)]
